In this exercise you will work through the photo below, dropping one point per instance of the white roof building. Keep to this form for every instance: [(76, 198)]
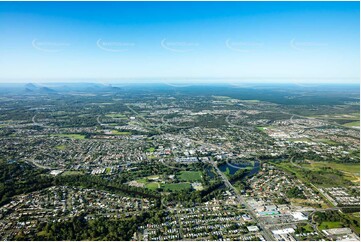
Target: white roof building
[(299, 216), (284, 231), (252, 228)]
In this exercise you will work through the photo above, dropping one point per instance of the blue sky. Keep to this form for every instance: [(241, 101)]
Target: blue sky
[(179, 40)]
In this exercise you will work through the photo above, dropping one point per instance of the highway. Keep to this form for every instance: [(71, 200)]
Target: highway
[(32, 162)]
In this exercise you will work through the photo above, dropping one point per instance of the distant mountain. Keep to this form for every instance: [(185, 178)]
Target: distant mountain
[(37, 89), (46, 90), (82, 87), (290, 94), (30, 86), (29, 90)]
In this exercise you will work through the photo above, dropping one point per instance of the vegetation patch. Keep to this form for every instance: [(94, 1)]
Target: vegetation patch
[(60, 147), (330, 225), (295, 192), (191, 176), (152, 185), (307, 228), (300, 140), (177, 186), (116, 132), (346, 167), (335, 219), (151, 149), (325, 176), (71, 136), (350, 171), (71, 173), (262, 128), (326, 141), (143, 180), (352, 124)]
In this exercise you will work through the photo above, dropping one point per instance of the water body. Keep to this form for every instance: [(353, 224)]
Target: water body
[(255, 169), (210, 173), (233, 168)]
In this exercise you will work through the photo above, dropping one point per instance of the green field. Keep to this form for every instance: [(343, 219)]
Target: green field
[(350, 172), (299, 140), (176, 186), (316, 175), (71, 173), (71, 136), (351, 168), (60, 147), (116, 132), (152, 149), (330, 225), (147, 181), (142, 180), (326, 141), (263, 128), (191, 176), (152, 185), (351, 124)]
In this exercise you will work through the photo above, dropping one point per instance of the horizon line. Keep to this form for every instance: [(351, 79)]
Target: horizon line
[(188, 82), (185, 79)]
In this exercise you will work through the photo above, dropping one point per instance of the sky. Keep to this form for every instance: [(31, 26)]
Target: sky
[(45, 41)]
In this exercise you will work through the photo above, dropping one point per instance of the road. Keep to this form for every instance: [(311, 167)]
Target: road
[(312, 118), (265, 232), (165, 123), (236, 167), (36, 123), (33, 119), (145, 121), (98, 120), (38, 165)]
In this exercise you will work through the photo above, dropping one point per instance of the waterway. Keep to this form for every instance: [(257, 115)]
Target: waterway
[(233, 168), (210, 173)]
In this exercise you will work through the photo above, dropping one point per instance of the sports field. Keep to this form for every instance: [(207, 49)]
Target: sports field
[(190, 176), (177, 186)]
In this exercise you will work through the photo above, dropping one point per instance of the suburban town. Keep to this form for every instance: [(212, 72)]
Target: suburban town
[(201, 167), (180, 120)]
